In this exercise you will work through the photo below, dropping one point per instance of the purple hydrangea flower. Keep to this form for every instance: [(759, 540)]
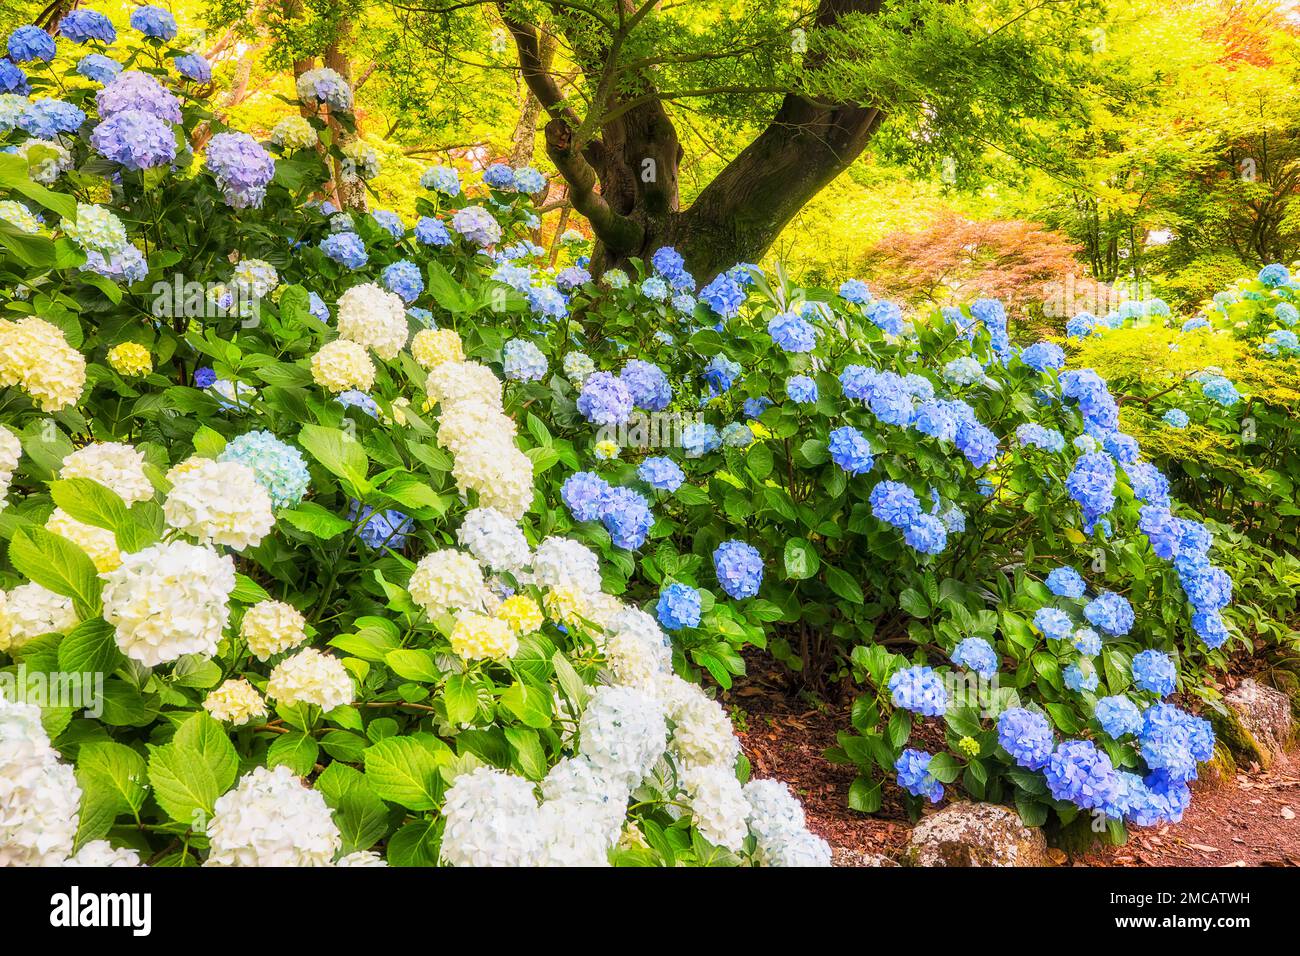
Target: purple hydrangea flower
[(135, 139), (739, 568), (134, 90), (154, 22), (241, 167), (82, 26)]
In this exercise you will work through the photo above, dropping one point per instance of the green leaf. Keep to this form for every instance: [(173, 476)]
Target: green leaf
[(120, 767), (944, 767), (914, 603), (801, 560), (416, 844), (842, 583), (461, 699), (90, 648), (414, 664), (529, 704), (313, 519), (528, 751), (405, 771), (361, 816), (865, 795), (56, 563), (341, 455), (91, 503), (295, 750)]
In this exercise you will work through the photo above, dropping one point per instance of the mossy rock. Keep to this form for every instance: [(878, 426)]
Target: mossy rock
[(1217, 771), (1288, 682), (1255, 725), (975, 834)]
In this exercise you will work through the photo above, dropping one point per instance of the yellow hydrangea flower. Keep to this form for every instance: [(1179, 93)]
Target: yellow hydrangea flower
[(566, 604), (476, 636), (432, 347), (130, 359), (521, 613)]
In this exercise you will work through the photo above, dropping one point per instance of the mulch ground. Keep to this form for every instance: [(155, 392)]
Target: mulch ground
[(1251, 820)]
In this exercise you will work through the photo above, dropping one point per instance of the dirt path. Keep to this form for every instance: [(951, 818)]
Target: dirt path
[(1253, 820)]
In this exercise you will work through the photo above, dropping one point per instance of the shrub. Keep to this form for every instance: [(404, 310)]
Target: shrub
[(298, 554)]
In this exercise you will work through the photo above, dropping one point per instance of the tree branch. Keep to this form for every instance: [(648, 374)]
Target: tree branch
[(619, 233)]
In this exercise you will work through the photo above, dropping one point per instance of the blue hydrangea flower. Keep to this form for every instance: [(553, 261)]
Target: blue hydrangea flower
[(1111, 612), (13, 79), (920, 690), (193, 66), (204, 377), (278, 467), (1027, 736), (655, 289), (678, 607), (1087, 642), (721, 372), (47, 118), (700, 438), (965, 370), (1054, 623), (1043, 356), (1048, 439), (1210, 628), (1149, 483), (1123, 448), (627, 518), (99, 68), (1219, 389), (134, 90), (389, 221), (242, 168), (499, 176), (605, 400), (1118, 716), (1092, 484), (667, 261), (895, 503), (1270, 277), (127, 266), (441, 179), (571, 278), (976, 654), (317, 307), (403, 278), (739, 568), (724, 295), (1066, 582), (801, 389), (549, 301), (154, 22), (850, 450), (926, 534), (345, 248), (661, 473), (886, 316), (432, 232), (135, 139), (978, 444), (522, 361), (647, 384), (1080, 678), (737, 435), (529, 181), (585, 494), (1176, 418), (29, 43), (936, 420), (385, 529), (855, 291), (1207, 588), (1286, 313), (354, 398), (792, 332), (82, 26), (1155, 672), (1174, 741), (755, 407), (1083, 775), (913, 768)]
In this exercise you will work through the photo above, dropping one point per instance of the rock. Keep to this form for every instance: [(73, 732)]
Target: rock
[(1217, 771), (975, 834), (847, 856), (1258, 726)]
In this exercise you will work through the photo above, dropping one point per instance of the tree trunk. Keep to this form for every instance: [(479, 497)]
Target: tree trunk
[(350, 190)]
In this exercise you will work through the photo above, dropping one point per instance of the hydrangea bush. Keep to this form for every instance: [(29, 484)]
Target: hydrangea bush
[(282, 522)]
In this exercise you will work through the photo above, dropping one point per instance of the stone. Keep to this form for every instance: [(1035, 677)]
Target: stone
[(975, 834), (1258, 726), (1216, 772), (847, 856)]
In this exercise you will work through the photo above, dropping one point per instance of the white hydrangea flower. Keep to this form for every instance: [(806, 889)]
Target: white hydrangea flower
[(294, 132), (702, 732), (623, 733), (575, 780), (96, 229), (492, 819), (35, 356), (561, 562), (362, 858), (169, 600), (219, 502), (39, 796), (271, 819), (11, 452), (457, 382), (374, 318), (272, 627), (494, 540), (774, 814), (236, 702), (638, 651), (476, 636), (447, 580), (568, 837), (804, 848), (100, 853), (717, 804), (311, 677), (255, 278), (116, 466), (500, 474), (31, 610), (464, 426)]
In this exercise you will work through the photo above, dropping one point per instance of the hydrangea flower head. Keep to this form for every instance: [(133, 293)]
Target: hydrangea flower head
[(647, 384), (739, 568), (82, 26), (1111, 612), (1027, 736), (662, 474), (1118, 716), (605, 400), (29, 43), (850, 450), (913, 769), (1155, 672), (920, 690), (976, 654), (1081, 774), (678, 607)]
